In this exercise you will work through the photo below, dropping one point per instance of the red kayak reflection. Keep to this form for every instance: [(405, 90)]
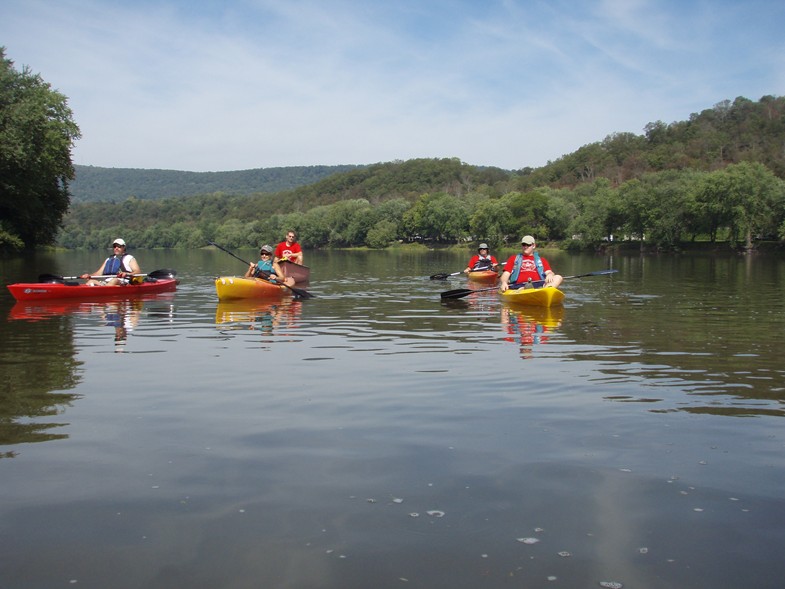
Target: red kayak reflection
[(122, 315), (531, 326)]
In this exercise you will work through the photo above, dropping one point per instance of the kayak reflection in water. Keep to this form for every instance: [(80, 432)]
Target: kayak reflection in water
[(531, 327), (124, 317)]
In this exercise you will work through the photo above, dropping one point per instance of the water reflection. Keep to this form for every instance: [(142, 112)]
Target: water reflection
[(530, 326), (39, 365), (267, 316)]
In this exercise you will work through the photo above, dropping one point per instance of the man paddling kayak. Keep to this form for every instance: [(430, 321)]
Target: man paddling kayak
[(483, 260), (528, 266), (118, 266)]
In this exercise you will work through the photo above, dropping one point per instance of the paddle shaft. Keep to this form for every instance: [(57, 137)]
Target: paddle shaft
[(298, 291), (154, 274), (459, 293)]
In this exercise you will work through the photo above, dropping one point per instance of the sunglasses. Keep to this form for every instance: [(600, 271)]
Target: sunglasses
[(117, 245), (265, 254)]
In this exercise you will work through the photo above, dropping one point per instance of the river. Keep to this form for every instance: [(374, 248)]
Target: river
[(375, 436)]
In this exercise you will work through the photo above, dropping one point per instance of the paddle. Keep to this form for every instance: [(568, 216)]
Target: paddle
[(299, 292), (459, 293), (444, 276), (164, 273)]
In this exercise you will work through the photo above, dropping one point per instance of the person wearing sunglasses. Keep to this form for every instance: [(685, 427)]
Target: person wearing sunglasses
[(267, 268), (289, 249), (528, 268), (483, 260), (118, 268)]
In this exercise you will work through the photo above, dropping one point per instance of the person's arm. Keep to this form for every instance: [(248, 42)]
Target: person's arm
[(251, 270), (504, 282), (132, 264)]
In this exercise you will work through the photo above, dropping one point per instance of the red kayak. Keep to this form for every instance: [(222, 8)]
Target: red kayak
[(41, 291), (298, 272)]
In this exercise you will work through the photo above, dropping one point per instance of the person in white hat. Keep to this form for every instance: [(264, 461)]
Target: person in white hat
[(117, 268), (528, 267), (482, 260), (267, 268)]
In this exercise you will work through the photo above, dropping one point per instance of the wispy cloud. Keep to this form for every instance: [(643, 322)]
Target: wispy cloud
[(240, 84)]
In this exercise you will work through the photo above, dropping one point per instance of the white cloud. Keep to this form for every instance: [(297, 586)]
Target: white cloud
[(259, 83)]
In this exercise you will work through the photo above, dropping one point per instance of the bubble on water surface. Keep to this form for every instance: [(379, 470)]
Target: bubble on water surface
[(528, 540), (397, 500), (697, 509), (643, 550), (414, 514), (552, 578), (564, 554), (538, 530), (435, 513), (611, 584)]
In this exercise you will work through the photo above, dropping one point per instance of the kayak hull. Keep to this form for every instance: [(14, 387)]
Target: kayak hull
[(486, 276), (232, 288), (44, 291), (539, 297), (296, 271)]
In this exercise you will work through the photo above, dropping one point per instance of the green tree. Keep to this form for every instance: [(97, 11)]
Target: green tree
[(36, 136)]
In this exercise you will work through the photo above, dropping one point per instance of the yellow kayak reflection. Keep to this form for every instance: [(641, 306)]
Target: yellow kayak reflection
[(530, 326), (260, 314)]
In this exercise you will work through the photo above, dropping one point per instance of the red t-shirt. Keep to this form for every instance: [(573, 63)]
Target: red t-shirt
[(473, 262), (284, 250), (528, 268)]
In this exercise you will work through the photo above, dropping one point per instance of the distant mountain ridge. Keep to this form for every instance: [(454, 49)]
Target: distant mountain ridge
[(97, 184)]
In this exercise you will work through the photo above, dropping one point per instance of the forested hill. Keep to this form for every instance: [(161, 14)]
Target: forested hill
[(96, 184), (720, 176), (730, 132)]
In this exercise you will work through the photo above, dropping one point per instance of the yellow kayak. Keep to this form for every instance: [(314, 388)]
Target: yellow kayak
[(233, 287), (540, 297)]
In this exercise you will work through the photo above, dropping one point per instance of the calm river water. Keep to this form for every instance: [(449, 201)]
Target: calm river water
[(376, 437)]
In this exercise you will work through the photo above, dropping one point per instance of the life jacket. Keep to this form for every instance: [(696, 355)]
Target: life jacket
[(264, 269), (519, 262), (114, 264), (483, 263)]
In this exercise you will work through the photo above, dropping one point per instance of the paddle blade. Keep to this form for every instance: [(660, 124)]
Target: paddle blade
[(300, 293), (163, 273), (439, 276), (50, 278), (457, 293)]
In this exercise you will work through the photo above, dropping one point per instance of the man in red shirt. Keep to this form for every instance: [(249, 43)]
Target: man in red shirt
[(289, 249), (482, 260), (528, 266)]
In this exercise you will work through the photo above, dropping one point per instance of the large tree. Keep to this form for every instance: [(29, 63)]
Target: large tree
[(37, 132)]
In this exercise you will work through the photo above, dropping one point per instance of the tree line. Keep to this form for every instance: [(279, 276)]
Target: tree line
[(740, 203)]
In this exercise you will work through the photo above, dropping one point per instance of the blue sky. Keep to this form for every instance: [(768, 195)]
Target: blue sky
[(238, 84)]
